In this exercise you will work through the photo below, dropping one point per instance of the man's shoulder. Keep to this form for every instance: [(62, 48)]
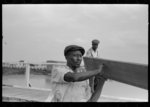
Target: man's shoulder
[(89, 50), (63, 69)]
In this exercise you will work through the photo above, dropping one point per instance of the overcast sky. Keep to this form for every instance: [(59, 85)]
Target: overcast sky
[(38, 33)]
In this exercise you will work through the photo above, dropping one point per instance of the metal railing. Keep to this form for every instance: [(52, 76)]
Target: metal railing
[(29, 66)]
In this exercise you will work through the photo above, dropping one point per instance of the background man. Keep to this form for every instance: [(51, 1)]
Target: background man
[(98, 80), (93, 52)]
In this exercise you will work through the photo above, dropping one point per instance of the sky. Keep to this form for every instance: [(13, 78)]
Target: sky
[(36, 33)]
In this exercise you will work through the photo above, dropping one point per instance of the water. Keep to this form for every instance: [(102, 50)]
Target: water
[(111, 88), (38, 81)]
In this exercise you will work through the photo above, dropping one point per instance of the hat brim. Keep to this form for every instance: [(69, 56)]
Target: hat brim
[(74, 48)]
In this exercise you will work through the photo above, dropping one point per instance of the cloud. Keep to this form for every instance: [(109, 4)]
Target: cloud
[(80, 41), (77, 41)]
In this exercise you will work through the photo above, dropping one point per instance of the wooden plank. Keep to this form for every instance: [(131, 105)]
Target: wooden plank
[(29, 94), (129, 73)]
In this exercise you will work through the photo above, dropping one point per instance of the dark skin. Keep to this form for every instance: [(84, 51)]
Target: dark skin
[(74, 59), (96, 94), (94, 46)]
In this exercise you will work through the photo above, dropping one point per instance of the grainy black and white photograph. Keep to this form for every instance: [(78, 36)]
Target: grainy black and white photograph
[(75, 53)]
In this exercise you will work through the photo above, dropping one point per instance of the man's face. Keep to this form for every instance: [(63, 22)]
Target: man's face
[(74, 58), (94, 46)]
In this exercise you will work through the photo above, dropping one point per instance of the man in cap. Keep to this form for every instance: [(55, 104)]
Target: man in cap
[(70, 83), (98, 80), (93, 52)]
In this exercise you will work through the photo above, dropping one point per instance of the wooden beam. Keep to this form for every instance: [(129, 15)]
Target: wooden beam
[(129, 73)]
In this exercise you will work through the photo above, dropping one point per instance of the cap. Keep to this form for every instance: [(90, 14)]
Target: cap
[(74, 48), (95, 41)]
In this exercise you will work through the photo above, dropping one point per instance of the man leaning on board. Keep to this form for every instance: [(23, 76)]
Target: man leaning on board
[(96, 82)]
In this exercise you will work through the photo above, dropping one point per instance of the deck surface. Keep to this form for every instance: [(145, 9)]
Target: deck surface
[(15, 94), (28, 94)]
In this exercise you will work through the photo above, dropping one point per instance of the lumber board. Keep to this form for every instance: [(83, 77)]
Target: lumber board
[(130, 73)]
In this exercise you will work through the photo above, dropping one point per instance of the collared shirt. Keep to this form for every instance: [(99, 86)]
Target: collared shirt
[(69, 91), (92, 53)]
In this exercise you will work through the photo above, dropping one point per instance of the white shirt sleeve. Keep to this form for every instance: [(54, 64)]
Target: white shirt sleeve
[(58, 75)]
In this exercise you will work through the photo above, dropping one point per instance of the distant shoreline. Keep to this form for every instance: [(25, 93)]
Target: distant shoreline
[(10, 71)]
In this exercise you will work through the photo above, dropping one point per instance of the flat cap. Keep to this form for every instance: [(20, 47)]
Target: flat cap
[(95, 41), (73, 48)]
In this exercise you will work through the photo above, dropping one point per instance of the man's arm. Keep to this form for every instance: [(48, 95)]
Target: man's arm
[(91, 83), (75, 77), (95, 96)]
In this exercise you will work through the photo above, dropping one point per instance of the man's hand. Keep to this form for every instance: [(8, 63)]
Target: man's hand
[(101, 74)]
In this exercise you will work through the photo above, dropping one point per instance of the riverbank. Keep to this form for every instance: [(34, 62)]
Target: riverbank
[(10, 71)]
